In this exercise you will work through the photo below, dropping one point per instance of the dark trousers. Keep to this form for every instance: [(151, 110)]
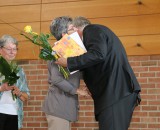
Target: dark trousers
[(8, 122), (118, 116)]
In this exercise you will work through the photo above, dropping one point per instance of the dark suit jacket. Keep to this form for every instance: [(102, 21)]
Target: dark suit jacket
[(107, 73)]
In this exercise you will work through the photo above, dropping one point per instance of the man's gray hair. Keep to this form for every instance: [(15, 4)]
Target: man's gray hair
[(80, 22), (59, 26), (7, 39)]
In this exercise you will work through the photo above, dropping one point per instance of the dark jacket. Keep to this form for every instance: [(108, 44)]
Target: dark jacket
[(107, 73)]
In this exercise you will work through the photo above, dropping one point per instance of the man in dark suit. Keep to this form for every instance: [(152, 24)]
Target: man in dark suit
[(107, 74)]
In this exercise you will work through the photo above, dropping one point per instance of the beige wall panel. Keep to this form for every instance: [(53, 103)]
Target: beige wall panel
[(109, 2), (142, 45), (62, 1), (96, 9), (132, 25), (18, 2), (45, 27), (25, 13), (15, 29), (27, 50), (123, 26)]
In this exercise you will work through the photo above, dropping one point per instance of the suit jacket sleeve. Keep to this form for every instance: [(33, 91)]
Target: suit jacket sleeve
[(95, 43)]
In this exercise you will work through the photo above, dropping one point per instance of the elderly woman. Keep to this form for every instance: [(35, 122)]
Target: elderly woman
[(61, 103), (11, 111)]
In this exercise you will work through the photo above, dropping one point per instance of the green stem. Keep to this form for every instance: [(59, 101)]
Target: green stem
[(64, 71), (13, 96)]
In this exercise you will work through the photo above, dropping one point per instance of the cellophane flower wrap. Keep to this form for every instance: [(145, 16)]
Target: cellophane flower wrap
[(8, 73), (46, 53)]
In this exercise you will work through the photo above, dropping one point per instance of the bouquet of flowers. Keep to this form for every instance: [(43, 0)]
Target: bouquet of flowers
[(8, 73), (46, 52)]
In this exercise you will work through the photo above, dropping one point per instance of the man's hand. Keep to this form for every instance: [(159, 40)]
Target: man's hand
[(61, 61), (82, 92)]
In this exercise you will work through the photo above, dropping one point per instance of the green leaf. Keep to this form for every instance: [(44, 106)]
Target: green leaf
[(48, 35), (12, 78), (4, 67), (46, 55), (9, 71)]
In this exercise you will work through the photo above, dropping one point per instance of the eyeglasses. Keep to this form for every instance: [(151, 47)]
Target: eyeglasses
[(10, 49), (70, 29)]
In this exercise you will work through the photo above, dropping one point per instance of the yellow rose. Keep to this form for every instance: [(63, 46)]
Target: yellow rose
[(28, 29)]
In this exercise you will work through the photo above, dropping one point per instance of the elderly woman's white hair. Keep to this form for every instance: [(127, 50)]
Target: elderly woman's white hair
[(7, 39)]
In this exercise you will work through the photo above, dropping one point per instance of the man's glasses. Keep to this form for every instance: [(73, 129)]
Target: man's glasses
[(10, 49), (71, 29)]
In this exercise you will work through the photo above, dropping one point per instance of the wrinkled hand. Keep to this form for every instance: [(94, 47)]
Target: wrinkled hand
[(61, 61), (16, 91), (6, 87), (86, 89), (82, 92)]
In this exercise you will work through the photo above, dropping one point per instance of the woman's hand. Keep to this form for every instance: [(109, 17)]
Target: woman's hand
[(82, 92), (16, 91), (6, 87), (21, 95)]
